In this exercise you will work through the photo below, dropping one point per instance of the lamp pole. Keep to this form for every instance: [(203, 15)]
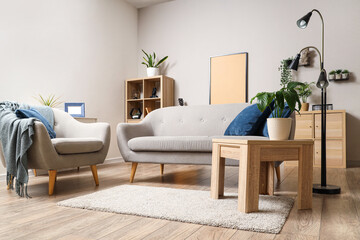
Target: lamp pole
[(322, 83)]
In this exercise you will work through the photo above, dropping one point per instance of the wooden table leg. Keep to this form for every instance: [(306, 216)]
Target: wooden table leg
[(217, 172), (305, 178), (249, 171)]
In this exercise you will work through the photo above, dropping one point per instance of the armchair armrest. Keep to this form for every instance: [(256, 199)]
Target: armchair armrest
[(127, 131)]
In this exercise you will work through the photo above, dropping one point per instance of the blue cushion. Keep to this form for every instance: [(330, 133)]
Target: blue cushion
[(32, 113), (248, 121), (286, 113)]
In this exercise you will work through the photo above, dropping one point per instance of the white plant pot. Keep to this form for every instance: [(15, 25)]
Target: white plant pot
[(151, 71), (279, 128), (338, 76), (331, 76), (345, 75)]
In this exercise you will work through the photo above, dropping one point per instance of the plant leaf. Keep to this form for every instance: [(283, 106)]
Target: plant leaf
[(161, 61)]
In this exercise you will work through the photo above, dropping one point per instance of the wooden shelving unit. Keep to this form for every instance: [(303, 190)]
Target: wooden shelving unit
[(138, 93)]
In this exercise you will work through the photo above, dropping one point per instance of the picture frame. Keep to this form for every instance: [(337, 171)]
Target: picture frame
[(229, 78), (75, 109)]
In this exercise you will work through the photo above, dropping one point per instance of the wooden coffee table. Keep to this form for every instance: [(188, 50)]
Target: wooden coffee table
[(256, 168)]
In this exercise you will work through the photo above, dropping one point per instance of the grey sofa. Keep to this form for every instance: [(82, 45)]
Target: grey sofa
[(179, 135), (77, 144)]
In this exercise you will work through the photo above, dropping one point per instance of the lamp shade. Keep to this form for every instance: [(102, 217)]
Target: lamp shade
[(295, 63), (303, 22), (322, 81)]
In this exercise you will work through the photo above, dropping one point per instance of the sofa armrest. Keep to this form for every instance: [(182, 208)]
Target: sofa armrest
[(127, 131)]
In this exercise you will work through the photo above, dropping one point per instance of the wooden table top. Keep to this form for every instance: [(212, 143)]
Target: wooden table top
[(262, 142)]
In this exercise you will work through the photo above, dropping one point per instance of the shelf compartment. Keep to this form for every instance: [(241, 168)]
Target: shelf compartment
[(134, 87), (134, 104), (149, 85)]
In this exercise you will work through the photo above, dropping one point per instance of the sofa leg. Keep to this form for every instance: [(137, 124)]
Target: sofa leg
[(162, 169), (52, 177), (95, 174), (277, 170), (34, 171), (133, 170)]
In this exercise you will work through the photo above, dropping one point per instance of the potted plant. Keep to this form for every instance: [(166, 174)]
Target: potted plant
[(345, 74), (152, 66), (338, 74), (285, 72), (279, 127), (332, 75), (304, 92)]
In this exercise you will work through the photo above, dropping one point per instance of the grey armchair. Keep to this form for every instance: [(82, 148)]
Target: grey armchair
[(77, 144)]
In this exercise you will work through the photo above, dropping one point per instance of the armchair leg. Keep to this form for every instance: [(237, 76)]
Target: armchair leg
[(277, 170), (95, 175), (52, 177), (133, 170), (34, 171), (162, 169)]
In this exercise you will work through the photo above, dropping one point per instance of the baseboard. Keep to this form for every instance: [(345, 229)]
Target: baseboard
[(107, 161)]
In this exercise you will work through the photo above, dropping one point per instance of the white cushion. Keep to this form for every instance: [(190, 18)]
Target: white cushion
[(178, 143), (77, 145)]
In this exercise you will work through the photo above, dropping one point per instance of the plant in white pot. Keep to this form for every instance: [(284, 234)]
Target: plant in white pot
[(151, 64), (345, 74), (304, 92), (278, 126), (338, 74), (332, 75)]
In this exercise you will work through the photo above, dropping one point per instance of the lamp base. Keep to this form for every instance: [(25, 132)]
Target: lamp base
[(328, 189)]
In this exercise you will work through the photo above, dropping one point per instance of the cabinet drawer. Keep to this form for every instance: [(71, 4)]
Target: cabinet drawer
[(304, 126), (334, 153), (334, 125)]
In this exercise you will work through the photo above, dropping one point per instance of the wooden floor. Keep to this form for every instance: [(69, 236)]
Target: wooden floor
[(332, 217)]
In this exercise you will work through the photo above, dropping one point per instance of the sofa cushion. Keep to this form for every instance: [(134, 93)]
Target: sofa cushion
[(178, 143), (248, 121), (76, 145)]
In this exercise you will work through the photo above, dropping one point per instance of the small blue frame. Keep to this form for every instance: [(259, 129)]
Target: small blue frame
[(75, 109)]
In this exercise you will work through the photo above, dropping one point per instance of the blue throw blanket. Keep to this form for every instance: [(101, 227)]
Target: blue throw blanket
[(16, 138)]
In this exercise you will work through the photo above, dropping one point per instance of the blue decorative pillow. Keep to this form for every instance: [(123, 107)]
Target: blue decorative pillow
[(286, 113), (32, 113), (248, 121)]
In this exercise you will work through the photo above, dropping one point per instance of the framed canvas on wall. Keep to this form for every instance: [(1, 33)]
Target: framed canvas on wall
[(229, 78)]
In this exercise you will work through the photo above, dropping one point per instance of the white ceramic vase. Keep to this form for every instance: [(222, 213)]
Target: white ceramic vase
[(338, 76), (152, 71), (344, 75), (279, 128)]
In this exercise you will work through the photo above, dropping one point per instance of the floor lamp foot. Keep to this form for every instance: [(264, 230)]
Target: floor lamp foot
[(328, 189)]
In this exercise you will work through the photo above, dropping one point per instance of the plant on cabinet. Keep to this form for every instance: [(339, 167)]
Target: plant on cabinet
[(304, 92), (150, 63)]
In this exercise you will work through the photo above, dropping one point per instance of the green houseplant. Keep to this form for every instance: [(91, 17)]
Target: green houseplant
[(50, 101), (285, 72), (338, 74), (304, 92), (332, 75), (151, 64), (345, 74), (279, 127)]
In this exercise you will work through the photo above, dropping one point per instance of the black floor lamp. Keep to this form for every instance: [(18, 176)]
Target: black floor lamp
[(322, 83)]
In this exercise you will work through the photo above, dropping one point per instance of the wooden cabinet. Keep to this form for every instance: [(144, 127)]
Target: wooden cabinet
[(138, 95), (308, 126)]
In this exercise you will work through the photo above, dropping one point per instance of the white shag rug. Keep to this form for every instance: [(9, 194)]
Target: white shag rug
[(189, 206)]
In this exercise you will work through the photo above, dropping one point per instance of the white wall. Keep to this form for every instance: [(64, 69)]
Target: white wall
[(190, 31), (81, 50)]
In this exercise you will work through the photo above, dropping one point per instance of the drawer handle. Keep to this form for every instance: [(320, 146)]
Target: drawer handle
[(310, 126)]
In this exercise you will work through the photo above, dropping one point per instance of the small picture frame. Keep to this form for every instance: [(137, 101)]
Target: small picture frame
[(75, 109)]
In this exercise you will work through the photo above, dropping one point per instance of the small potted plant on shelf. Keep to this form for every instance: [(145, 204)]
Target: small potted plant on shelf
[(338, 74), (345, 74), (278, 126), (332, 75), (150, 63), (285, 72), (304, 92)]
